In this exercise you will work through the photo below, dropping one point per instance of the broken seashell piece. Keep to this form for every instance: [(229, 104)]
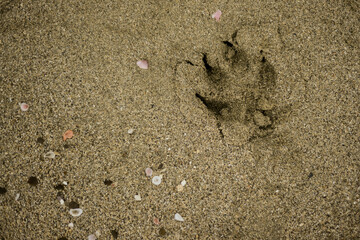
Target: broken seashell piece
[(75, 212), (156, 180), (148, 172), (24, 107), (178, 217), (216, 15), (143, 64), (50, 154)]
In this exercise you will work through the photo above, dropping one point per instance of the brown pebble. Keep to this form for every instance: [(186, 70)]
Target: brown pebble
[(33, 181), (73, 205), (162, 231), (2, 190)]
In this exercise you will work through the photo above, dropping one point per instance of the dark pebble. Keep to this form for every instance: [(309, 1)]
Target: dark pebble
[(40, 140), (161, 166), (33, 181), (310, 175), (2, 190), (114, 233), (73, 205), (107, 182), (59, 187), (162, 231)]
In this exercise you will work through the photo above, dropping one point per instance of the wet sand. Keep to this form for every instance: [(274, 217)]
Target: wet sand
[(258, 112)]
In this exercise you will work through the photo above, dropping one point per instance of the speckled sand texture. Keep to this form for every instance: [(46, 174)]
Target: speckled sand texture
[(258, 112)]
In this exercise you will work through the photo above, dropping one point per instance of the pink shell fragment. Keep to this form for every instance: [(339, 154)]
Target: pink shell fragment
[(156, 221), (148, 172), (24, 107), (216, 15), (143, 64)]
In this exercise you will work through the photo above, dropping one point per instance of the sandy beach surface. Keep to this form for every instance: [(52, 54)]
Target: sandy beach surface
[(258, 111)]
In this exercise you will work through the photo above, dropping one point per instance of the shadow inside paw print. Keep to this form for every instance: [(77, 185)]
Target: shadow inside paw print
[(230, 89)]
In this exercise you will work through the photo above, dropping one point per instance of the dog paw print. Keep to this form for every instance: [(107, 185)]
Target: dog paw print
[(230, 89)]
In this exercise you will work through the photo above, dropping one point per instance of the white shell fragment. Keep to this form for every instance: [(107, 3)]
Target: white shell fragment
[(137, 197), (24, 107), (75, 212), (50, 154), (62, 201), (17, 196), (143, 64), (183, 183), (178, 217), (64, 183), (91, 237), (156, 180), (131, 131), (148, 172), (71, 225)]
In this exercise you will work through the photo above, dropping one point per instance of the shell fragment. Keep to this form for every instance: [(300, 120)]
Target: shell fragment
[(156, 180), (75, 212), (178, 217)]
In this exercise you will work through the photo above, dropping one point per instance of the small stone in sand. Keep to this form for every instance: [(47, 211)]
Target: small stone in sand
[(24, 107), (91, 237), (179, 188), (131, 131), (137, 197), (71, 225), (17, 196)]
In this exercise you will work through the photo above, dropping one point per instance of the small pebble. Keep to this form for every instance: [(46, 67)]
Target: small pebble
[(33, 181), (24, 107), (137, 197), (178, 217), (162, 231), (148, 172), (71, 225), (91, 237), (65, 183), (143, 64), (75, 212), (156, 180), (216, 15), (62, 202), (179, 188), (50, 154), (17, 196), (183, 183), (131, 131), (3, 190)]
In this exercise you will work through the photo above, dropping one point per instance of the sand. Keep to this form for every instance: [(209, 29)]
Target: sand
[(258, 112)]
